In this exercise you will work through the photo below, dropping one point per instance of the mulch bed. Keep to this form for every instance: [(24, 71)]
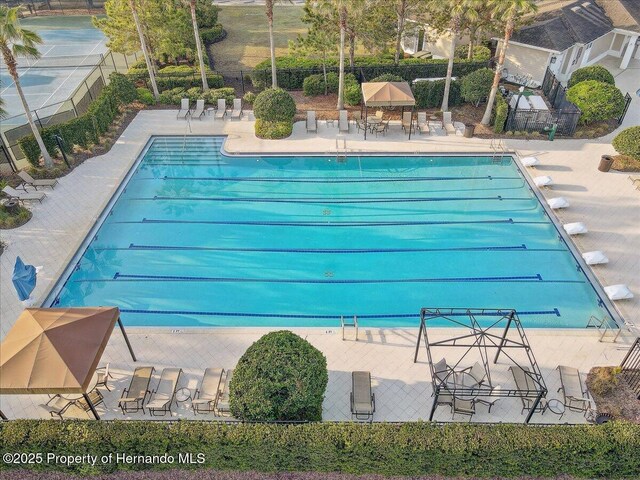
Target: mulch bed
[(625, 163), (620, 401)]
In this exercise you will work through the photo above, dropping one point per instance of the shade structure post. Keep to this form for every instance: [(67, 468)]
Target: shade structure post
[(3, 416), (435, 403), (126, 339), (411, 123), (366, 115), (504, 336), (91, 406), (420, 332), (533, 408)]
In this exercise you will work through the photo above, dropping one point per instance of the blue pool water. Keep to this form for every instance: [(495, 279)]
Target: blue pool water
[(201, 239)]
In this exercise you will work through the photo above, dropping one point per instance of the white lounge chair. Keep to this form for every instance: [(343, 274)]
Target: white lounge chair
[(543, 181), (343, 121), (198, 112), (529, 161), (222, 108), (237, 108), (184, 109), (23, 196), (448, 124), (32, 182), (164, 394), (618, 292), (558, 202), (576, 228), (423, 125), (312, 122), (595, 257)]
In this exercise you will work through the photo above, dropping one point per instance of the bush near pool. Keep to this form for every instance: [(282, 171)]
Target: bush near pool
[(457, 450), (594, 72), (596, 100), (274, 110), (627, 142)]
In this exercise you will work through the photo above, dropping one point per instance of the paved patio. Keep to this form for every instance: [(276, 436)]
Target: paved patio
[(607, 203)]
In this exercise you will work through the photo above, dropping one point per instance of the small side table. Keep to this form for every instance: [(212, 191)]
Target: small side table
[(556, 406), (210, 111), (183, 394), (331, 122)]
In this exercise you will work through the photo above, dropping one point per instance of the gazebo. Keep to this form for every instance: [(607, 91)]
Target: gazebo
[(56, 350), (387, 94)]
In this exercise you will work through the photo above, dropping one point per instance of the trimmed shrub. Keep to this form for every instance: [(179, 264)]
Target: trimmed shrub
[(314, 85), (627, 142), (501, 110), (249, 98), (274, 105), (408, 449), (352, 90), (480, 53), (122, 88), (213, 34), (476, 86), (174, 76), (273, 130), (597, 100), (172, 97), (594, 72), (212, 96), (279, 377), (429, 94), (194, 94), (387, 77), (145, 96)]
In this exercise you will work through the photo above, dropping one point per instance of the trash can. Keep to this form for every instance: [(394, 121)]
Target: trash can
[(468, 130), (605, 163)]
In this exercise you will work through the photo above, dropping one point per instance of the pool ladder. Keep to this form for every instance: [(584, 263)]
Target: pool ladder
[(605, 325), (498, 150), (353, 324), (341, 149)]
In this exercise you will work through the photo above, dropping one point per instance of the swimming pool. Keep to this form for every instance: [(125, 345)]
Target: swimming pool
[(197, 238)]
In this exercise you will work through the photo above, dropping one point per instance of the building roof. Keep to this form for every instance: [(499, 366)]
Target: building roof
[(624, 14), (579, 22)]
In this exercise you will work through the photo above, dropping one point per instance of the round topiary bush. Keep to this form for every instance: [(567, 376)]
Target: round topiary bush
[(279, 377), (597, 100), (594, 72), (387, 77), (627, 142), (274, 105), (475, 86)]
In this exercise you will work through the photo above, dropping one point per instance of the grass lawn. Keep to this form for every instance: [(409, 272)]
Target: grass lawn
[(247, 42)]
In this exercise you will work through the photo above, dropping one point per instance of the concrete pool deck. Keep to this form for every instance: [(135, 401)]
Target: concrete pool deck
[(607, 202)]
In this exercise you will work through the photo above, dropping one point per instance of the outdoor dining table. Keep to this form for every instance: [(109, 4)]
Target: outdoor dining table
[(463, 385)]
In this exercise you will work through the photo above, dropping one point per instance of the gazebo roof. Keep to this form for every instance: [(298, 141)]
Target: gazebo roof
[(387, 94), (54, 350)]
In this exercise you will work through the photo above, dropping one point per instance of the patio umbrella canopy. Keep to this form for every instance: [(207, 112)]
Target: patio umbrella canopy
[(55, 350), (387, 94)]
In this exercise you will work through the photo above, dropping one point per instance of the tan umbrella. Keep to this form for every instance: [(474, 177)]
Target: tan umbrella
[(387, 94), (56, 350)]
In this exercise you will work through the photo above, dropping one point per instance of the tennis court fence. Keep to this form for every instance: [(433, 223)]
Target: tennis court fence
[(99, 67), (52, 7)]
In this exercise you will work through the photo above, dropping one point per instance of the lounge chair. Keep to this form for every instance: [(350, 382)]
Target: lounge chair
[(543, 181), (133, 397), (463, 407), (204, 398), (343, 121), (198, 112), (312, 121), (221, 111), (23, 196), (423, 125), (103, 377), (558, 202), (529, 161), (618, 292), (575, 228), (527, 386), (448, 124), (32, 182), (57, 405), (163, 395), (407, 121), (95, 397), (595, 257), (363, 400), (184, 109), (576, 397), (237, 108), (222, 402)]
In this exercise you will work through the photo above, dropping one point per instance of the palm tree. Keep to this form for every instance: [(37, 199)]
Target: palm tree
[(145, 50), (194, 20), (269, 5), (3, 112), (509, 11), (342, 15), (15, 40), (456, 9)]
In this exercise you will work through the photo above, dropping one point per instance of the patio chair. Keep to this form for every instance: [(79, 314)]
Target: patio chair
[(407, 121), (95, 397), (381, 127), (576, 397), (163, 395), (343, 121), (423, 125), (463, 407), (222, 402), (363, 400), (23, 196), (237, 108), (478, 372), (527, 386), (103, 377), (32, 182), (204, 398), (360, 125), (444, 398), (133, 397), (57, 405), (491, 400), (312, 121), (184, 109), (442, 370), (221, 111), (198, 112), (379, 114)]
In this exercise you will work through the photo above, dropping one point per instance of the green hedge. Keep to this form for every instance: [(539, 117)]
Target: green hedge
[(500, 111), (314, 85), (293, 70), (213, 34), (273, 130), (594, 72), (87, 128), (175, 95), (145, 96), (387, 77), (627, 142), (476, 86), (596, 100), (411, 449), (174, 76), (429, 94)]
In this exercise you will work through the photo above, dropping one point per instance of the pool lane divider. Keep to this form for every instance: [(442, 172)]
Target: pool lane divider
[(329, 180), (333, 201), (326, 223)]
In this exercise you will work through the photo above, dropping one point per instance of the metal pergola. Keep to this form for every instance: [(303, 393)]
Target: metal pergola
[(489, 330)]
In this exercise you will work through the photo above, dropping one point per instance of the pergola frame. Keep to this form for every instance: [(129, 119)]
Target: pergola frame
[(484, 339)]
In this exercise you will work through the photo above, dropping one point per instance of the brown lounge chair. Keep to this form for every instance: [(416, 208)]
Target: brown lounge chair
[(528, 388), (133, 397), (57, 405), (162, 397), (222, 402), (576, 397), (363, 400), (35, 183), (204, 399)]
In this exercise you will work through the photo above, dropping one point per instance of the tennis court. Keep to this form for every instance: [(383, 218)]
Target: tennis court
[(71, 49)]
